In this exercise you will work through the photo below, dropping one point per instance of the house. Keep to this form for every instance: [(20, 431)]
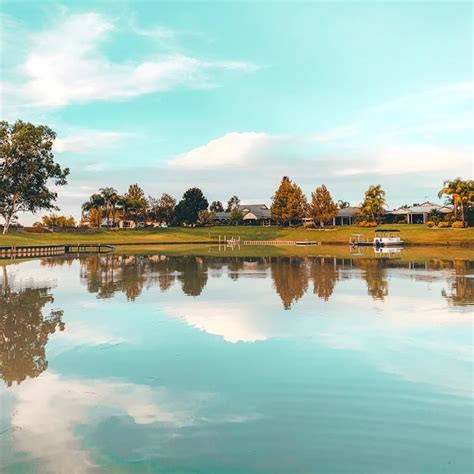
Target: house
[(256, 214), (346, 215), (253, 214), (418, 213)]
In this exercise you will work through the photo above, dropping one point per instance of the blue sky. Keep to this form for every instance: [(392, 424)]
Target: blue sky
[(231, 96)]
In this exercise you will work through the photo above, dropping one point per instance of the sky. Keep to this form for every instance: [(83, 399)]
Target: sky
[(232, 96)]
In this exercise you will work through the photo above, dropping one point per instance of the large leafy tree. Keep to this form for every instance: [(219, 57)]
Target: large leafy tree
[(188, 208), (26, 168), (373, 205), (322, 207), (460, 194), (289, 203)]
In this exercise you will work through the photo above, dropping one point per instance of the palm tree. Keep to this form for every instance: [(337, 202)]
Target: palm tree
[(96, 201), (374, 202), (342, 204), (460, 194), (107, 195)]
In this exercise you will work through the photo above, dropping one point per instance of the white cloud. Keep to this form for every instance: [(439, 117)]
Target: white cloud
[(232, 149), (65, 65), (87, 140)]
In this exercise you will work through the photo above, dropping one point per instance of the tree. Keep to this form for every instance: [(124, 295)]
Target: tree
[(342, 204), (26, 167), (322, 207), (206, 217), (373, 205), (193, 201), (289, 203), (166, 207), (135, 193), (460, 194), (236, 216), (54, 220), (95, 203), (216, 206), (135, 203), (233, 202), (110, 198)]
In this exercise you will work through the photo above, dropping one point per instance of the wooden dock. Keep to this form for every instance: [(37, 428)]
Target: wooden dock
[(30, 251), (237, 242)]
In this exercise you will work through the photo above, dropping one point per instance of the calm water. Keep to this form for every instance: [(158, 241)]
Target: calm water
[(236, 365)]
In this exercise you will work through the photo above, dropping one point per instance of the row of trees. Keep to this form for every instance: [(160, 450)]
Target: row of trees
[(290, 205)]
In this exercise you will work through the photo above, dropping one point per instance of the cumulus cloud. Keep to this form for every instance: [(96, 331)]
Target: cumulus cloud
[(232, 149)]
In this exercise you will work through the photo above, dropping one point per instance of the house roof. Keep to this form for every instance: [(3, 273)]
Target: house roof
[(260, 211), (348, 211), (422, 208)]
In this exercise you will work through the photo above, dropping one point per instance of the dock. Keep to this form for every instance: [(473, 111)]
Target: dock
[(30, 251), (237, 242)]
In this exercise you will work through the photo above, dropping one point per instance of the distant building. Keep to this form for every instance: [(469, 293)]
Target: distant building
[(253, 214), (346, 215), (418, 213)]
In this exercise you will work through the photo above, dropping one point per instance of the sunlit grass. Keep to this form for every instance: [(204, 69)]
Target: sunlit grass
[(411, 234)]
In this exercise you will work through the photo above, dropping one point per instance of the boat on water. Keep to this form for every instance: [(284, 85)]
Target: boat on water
[(383, 238)]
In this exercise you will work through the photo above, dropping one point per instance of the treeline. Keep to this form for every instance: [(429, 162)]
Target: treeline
[(289, 206)]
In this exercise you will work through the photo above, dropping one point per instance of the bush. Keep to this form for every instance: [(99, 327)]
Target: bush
[(367, 224), (431, 224), (444, 224), (458, 225)]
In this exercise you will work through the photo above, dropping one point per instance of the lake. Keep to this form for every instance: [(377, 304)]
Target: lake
[(221, 363)]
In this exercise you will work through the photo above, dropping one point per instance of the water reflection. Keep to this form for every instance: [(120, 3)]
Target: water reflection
[(130, 274), (25, 330), (233, 355)]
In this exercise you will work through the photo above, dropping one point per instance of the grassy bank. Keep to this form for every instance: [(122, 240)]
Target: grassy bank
[(411, 234)]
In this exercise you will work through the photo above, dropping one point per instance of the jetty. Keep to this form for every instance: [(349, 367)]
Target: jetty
[(237, 242), (30, 251)]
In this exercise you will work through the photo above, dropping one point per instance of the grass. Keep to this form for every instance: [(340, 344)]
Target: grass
[(411, 234)]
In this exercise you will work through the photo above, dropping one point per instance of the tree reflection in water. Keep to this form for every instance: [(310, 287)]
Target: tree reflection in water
[(290, 279), (461, 289), (25, 330), (131, 274)]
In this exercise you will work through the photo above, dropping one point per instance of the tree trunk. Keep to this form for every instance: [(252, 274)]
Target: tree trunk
[(6, 226)]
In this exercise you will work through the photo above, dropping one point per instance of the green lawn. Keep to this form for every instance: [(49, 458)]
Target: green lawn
[(411, 234)]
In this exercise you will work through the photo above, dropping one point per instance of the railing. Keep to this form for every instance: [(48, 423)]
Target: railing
[(26, 251)]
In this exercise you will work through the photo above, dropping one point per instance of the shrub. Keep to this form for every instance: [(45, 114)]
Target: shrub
[(444, 224), (367, 224), (458, 225), (431, 224)]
